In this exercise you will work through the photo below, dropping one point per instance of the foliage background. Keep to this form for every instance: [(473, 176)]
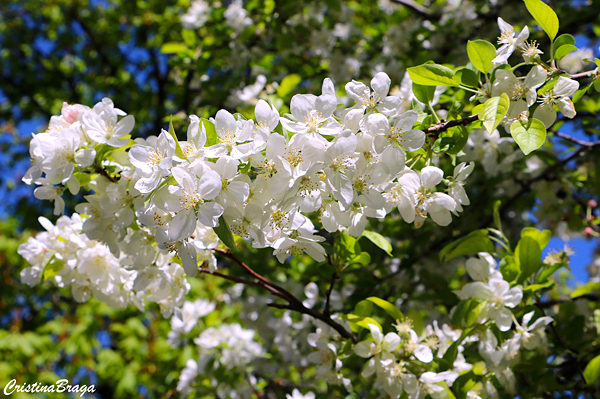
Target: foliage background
[(137, 53)]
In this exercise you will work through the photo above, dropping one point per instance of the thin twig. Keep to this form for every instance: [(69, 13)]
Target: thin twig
[(583, 74), (445, 125), (293, 303), (576, 140), (101, 171), (266, 282), (334, 277)]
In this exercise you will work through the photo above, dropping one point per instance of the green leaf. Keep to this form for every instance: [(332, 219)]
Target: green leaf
[(346, 246), (467, 77), (497, 220), (53, 267), (178, 150), (544, 15), (481, 53), (423, 93), (561, 41), (529, 136), (581, 92), (539, 287), (379, 240), (452, 141), (550, 270), (360, 321), (432, 75), (364, 308), (494, 110), (211, 132), (528, 254), (585, 289), (564, 50), (362, 259), (288, 84), (509, 268), (364, 323), (475, 242), (466, 312), (592, 370), (224, 234), (189, 37), (388, 307), (173, 48), (542, 237)]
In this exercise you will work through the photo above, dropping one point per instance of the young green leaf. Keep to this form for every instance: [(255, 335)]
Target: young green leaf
[(423, 93), (529, 136), (467, 77), (224, 234), (178, 150), (586, 289), (544, 15), (494, 110), (211, 132), (288, 84), (564, 50), (173, 48), (542, 237), (481, 53), (528, 254), (389, 308), (475, 242), (592, 370), (378, 240), (563, 39), (432, 75)]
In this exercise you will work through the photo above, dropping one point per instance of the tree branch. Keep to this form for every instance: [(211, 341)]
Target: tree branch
[(583, 74), (575, 140), (293, 303), (334, 278), (445, 125), (101, 171)]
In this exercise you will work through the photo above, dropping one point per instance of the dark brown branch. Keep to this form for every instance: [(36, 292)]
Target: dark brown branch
[(282, 292), (325, 318), (334, 278), (101, 171), (445, 125), (230, 278), (293, 303)]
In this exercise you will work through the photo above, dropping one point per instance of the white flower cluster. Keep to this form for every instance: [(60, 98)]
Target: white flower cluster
[(340, 165), (490, 287), (406, 363), (185, 318), (522, 90), (66, 255), (395, 357), (69, 143), (228, 346)]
